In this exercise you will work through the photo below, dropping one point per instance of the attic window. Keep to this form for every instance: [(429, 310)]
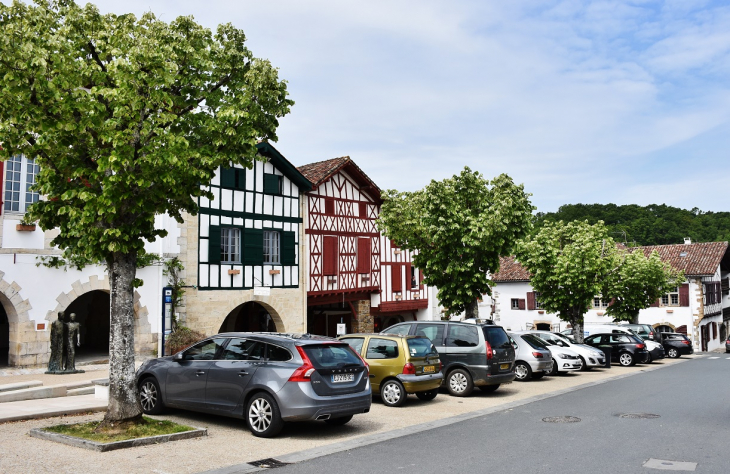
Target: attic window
[(683, 254)]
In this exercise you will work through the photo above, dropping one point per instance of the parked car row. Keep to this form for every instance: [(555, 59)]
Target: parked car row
[(268, 379)]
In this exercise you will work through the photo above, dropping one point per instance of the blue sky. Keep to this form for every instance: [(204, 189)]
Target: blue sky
[(582, 101)]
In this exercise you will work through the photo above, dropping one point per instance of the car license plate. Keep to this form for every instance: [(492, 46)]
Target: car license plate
[(429, 369), (338, 378), (504, 366)]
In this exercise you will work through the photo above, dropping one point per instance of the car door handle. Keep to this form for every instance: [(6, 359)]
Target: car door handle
[(200, 372), (372, 376), (242, 373)]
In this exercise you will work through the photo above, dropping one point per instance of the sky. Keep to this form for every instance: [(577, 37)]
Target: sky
[(624, 102)]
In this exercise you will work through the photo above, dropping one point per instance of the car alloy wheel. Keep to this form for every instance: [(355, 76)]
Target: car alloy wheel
[(149, 397), (626, 359), (393, 393), (263, 416), (522, 371), (673, 353), (460, 383)]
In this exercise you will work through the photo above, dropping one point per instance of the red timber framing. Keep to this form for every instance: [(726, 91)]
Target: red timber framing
[(401, 289), (343, 242)]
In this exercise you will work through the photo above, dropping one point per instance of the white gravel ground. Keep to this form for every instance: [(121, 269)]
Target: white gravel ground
[(228, 442)]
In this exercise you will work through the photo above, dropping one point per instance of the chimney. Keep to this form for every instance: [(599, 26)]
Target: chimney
[(687, 241)]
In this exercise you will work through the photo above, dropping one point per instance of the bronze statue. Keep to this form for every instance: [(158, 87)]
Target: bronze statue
[(73, 339), (55, 363)]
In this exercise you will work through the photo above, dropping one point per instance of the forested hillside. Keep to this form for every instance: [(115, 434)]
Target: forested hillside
[(650, 225)]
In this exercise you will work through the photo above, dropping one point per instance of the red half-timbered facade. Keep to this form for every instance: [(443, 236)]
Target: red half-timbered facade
[(347, 283)]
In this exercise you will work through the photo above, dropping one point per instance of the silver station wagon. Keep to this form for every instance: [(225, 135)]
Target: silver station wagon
[(265, 378)]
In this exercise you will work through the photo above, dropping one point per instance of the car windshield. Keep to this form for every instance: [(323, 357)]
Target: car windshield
[(535, 342), (328, 356), (421, 347)]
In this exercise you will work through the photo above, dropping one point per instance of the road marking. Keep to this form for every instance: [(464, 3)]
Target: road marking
[(670, 465), (713, 357)]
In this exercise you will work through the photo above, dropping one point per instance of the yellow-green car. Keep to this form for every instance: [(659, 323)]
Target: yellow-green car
[(399, 365)]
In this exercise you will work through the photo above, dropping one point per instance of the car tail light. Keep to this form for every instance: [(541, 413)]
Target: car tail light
[(537, 355), (490, 354), (640, 346), (409, 369), (303, 373), (441, 366), (686, 342)]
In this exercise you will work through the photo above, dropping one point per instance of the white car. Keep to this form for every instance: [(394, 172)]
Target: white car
[(564, 359), (590, 356)]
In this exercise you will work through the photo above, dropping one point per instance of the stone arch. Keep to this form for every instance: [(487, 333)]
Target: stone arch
[(275, 317), (144, 340), (21, 330), (658, 325)]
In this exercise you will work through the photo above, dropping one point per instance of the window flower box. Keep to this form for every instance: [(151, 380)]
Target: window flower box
[(234, 272), (25, 227), (274, 272)]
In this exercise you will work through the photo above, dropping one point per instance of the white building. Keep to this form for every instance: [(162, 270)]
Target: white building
[(700, 307)]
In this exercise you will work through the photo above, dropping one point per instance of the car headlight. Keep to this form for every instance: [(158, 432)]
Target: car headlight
[(566, 356)]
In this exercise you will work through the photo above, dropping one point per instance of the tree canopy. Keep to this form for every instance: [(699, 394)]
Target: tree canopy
[(126, 117), (460, 226), (646, 225)]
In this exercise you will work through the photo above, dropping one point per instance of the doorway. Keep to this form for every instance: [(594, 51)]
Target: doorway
[(4, 337), (542, 326), (92, 314), (249, 317)]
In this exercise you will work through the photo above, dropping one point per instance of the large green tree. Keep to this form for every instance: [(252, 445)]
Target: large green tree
[(569, 263), (127, 117), (460, 226), (637, 283)]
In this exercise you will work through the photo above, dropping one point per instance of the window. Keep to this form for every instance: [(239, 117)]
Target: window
[(278, 354), (382, 349), (271, 247), (414, 277), (402, 329), (20, 173), (435, 332), (354, 342), (230, 245), (538, 303), (329, 206), (363, 255), (241, 349), (363, 210), (396, 278), (204, 350), (599, 303), (329, 256), (234, 178), (517, 303), (462, 336), (272, 184), (671, 298), (421, 347)]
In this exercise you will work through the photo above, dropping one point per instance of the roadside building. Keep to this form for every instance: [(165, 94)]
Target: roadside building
[(699, 307)]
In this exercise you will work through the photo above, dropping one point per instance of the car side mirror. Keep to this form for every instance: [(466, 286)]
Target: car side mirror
[(178, 357)]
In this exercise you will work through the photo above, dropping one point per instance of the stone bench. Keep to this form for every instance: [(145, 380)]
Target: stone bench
[(101, 388)]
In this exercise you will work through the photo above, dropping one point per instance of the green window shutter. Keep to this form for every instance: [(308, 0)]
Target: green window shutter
[(272, 184), (228, 177), (240, 178), (288, 249), (253, 246), (214, 244)]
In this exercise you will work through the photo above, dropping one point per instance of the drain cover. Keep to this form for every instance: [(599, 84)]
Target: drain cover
[(640, 416), (268, 463), (561, 419)]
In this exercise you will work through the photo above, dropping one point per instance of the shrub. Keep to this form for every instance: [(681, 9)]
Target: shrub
[(181, 338)]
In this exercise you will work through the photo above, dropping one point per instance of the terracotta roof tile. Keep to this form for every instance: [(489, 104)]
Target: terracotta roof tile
[(321, 170), (510, 270), (694, 259)]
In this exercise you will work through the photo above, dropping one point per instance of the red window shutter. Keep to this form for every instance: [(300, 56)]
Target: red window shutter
[(655, 304), (530, 300), (684, 295), (420, 278), (363, 210), (363, 255), (396, 277), (714, 330), (329, 206), (329, 256), (521, 304), (682, 329)]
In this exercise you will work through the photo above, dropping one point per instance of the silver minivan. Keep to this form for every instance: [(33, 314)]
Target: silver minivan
[(533, 359)]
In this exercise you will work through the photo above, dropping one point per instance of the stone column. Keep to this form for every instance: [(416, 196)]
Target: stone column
[(363, 321)]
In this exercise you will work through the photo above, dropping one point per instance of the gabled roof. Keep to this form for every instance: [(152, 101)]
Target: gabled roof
[(700, 259), (282, 164), (321, 171), (510, 271)]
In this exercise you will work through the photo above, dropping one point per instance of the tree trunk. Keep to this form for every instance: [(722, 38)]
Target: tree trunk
[(576, 322), (635, 318), (472, 310), (124, 405)]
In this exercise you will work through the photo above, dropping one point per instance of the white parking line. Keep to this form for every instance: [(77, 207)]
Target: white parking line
[(713, 357)]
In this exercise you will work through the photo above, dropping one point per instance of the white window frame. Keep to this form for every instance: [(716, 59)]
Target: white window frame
[(538, 303), (671, 298), (272, 247), (25, 175), (230, 245)]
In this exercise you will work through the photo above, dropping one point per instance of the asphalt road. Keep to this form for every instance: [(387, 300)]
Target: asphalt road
[(692, 400)]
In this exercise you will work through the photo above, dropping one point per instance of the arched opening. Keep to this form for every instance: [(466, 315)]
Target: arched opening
[(542, 326), (249, 317), (4, 337), (723, 332), (92, 314), (664, 328)]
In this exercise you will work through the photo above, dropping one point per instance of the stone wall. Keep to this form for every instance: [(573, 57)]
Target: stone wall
[(363, 321)]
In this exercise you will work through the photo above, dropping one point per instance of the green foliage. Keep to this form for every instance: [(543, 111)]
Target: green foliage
[(459, 226), (148, 427), (648, 225), (569, 263), (181, 338), (637, 283), (126, 116)]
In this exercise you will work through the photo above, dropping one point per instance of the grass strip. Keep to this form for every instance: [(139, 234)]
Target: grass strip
[(144, 429)]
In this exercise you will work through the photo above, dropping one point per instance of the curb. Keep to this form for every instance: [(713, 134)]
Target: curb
[(40, 433), (359, 442), (51, 414)]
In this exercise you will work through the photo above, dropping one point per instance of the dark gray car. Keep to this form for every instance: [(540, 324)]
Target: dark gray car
[(264, 378), (473, 354)]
